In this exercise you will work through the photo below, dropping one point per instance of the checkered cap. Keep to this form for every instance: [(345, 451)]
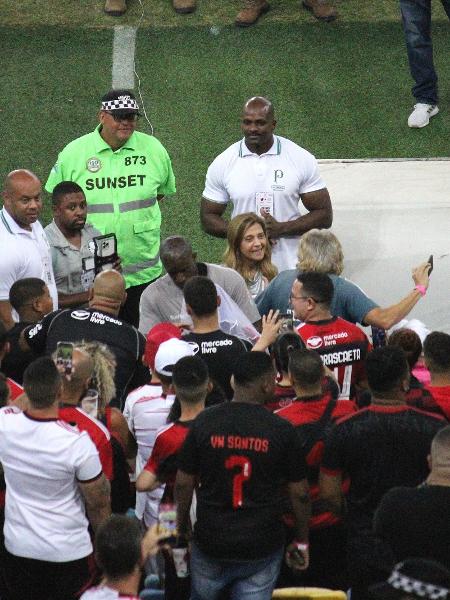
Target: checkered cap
[(121, 103)]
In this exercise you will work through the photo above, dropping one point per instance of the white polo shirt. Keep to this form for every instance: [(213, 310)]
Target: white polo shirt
[(276, 179), (24, 254), (45, 516), (148, 414)]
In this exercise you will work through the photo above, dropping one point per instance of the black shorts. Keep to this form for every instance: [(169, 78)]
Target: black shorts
[(26, 578)]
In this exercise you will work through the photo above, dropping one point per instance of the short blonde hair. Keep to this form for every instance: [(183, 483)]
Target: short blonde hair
[(319, 250), (104, 372)]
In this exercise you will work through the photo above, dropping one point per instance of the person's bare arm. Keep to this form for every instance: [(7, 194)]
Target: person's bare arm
[(320, 216), (97, 497), (147, 481), (69, 300), (5, 314), (211, 218), (385, 318), (120, 427), (184, 490), (330, 494), (301, 506)]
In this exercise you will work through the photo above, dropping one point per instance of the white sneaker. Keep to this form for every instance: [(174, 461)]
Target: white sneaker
[(421, 115)]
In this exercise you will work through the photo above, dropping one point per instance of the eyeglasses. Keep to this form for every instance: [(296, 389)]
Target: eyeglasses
[(132, 117), (292, 297)]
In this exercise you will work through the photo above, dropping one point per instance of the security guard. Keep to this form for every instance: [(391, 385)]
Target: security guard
[(124, 173)]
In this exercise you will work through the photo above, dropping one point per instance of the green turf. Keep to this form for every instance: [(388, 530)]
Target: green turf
[(340, 90)]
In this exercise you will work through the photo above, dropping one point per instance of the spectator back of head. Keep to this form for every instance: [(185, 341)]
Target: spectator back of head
[(386, 370), (200, 295), (42, 382), (254, 377), (409, 341), (118, 546), (190, 379), (306, 368), (284, 345), (436, 349), (320, 251)]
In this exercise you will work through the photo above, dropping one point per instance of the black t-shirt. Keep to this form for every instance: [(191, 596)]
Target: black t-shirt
[(379, 447), (414, 522), (17, 360), (242, 455), (124, 341), (219, 350)]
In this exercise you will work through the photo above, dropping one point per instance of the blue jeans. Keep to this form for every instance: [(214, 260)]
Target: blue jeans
[(247, 580), (416, 18)]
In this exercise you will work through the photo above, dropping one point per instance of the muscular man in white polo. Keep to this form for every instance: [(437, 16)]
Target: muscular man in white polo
[(269, 175)]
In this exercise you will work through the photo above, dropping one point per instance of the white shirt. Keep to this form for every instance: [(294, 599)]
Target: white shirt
[(281, 175), (43, 460), (24, 254), (148, 413)]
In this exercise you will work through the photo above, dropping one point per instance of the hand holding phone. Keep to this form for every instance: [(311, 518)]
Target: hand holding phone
[(64, 358)]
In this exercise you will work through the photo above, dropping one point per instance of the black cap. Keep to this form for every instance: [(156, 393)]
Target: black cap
[(120, 102)]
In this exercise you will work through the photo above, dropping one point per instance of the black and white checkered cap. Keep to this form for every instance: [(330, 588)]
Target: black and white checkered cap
[(122, 103)]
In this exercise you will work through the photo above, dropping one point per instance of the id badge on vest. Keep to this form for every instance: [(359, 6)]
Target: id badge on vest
[(47, 273), (264, 203)]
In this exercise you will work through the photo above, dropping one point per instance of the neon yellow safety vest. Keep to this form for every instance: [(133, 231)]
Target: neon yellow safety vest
[(121, 190)]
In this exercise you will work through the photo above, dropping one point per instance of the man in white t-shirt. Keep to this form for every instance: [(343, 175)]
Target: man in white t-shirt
[(25, 251), (53, 477), (268, 175)]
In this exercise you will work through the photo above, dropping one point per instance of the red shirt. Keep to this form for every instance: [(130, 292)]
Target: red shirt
[(441, 394), (309, 410), (97, 432), (343, 348), (168, 443), (15, 389)]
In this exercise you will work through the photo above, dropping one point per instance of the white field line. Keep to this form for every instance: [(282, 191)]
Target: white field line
[(124, 45)]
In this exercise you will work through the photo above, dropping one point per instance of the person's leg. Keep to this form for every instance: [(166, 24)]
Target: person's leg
[(208, 577), (69, 579), (416, 19), (256, 580), (250, 12)]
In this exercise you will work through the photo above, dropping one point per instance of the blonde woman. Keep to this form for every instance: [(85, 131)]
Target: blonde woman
[(249, 252), (103, 383)]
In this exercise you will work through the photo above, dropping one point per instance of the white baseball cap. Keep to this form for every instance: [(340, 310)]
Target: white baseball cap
[(169, 353)]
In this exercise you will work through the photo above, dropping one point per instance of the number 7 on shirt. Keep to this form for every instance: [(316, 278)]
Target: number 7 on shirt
[(243, 475)]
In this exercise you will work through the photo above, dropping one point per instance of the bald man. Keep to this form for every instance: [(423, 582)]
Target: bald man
[(100, 323), (268, 175), (163, 299), (413, 521), (25, 251)]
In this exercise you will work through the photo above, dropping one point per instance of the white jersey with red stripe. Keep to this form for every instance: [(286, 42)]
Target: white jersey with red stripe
[(43, 461), (148, 413)]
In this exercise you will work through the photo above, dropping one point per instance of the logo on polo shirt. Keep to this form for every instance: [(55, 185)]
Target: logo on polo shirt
[(34, 331), (93, 164), (314, 342), (194, 346), (80, 315)]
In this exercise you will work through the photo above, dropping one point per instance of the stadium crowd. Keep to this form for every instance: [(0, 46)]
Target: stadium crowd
[(219, 430)]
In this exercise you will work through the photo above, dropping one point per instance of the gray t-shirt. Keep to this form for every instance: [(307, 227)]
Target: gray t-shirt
[(349, 301), (67, 259), (162, 300)]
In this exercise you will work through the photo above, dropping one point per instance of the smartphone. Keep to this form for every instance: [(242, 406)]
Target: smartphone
[(167, 523), (430, 260), (287, 322), (64, 357)]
